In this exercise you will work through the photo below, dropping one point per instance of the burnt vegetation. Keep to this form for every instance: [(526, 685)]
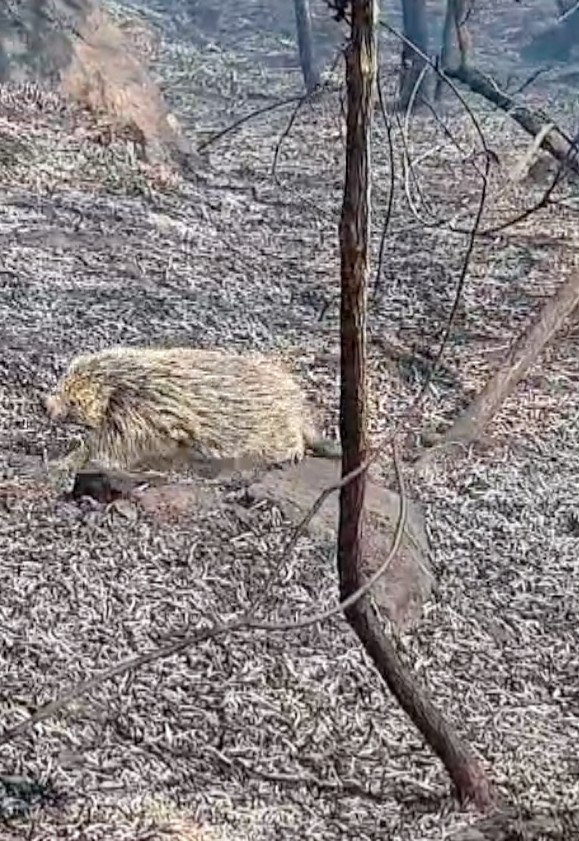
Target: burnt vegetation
[(384, 197)]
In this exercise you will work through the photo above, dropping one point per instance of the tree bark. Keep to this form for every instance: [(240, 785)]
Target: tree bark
[(412, 63), (466, 773), (305, 44), (523, 354), (531, 121)]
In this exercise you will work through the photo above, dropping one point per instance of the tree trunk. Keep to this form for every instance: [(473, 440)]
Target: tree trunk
[(305, 44), (523, 354), (77, 47), (412, 63), (464, 770), (456, 42), (533, 122)]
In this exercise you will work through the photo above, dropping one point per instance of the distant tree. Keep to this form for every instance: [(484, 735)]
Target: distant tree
[(305, 44), (412, 62), (456, 42)]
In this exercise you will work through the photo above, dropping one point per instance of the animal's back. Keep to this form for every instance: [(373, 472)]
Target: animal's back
[(220, 404)]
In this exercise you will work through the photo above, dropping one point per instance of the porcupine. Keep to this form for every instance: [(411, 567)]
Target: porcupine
[(143, 403)]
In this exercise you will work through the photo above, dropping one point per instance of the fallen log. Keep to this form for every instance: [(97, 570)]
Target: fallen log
[(523, 354), (558, 144)]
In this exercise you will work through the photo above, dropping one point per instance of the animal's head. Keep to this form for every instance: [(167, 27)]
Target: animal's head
[(79, 398)]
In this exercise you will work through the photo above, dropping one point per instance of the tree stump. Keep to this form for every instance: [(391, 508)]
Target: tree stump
[(72, 46)]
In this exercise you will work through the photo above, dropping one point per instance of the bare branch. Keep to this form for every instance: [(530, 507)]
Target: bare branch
[(392, 185), (311, 96), (258, 112)]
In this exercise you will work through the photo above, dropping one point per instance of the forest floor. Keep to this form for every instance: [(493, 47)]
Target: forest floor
[(269, 737)]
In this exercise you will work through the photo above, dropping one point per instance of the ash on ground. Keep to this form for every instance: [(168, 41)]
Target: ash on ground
[(257, 736)]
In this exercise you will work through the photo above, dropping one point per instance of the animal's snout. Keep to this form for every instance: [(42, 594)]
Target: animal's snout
[(55, 407)]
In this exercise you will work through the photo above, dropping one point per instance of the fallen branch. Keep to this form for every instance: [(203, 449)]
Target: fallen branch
[(556, 142), (522, 169), (523, 354)]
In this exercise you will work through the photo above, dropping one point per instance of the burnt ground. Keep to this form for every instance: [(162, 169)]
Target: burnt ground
[(282, 736)]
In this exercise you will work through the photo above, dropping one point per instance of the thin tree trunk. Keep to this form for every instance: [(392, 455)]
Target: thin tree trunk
[(523, 354), (354, 237), (456, 41), (464, 770), (412, 63), (305, 44), (447, 49)]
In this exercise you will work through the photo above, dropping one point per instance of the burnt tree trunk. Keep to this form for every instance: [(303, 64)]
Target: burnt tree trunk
[(456, 42), (305, 44), (411, 62), (523, 354), (464, 770)]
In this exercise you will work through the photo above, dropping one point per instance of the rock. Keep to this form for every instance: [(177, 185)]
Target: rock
[(74, 46), (172, 502), (408, 581), (159, 496)]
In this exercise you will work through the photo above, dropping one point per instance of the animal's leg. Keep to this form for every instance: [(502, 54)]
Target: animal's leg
[(61, 472)]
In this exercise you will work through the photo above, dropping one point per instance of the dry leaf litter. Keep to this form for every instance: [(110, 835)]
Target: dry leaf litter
[(279, 736)]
